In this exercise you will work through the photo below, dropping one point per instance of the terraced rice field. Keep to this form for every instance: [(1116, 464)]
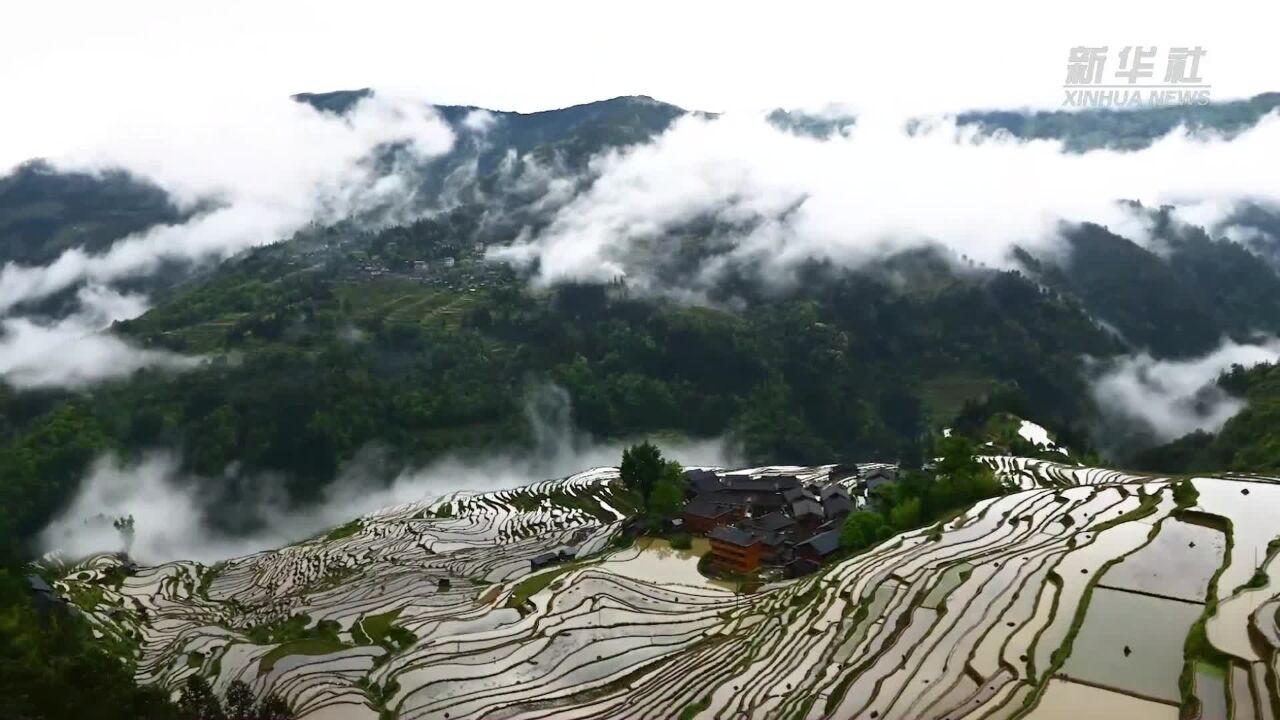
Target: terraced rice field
[(1078, 595)]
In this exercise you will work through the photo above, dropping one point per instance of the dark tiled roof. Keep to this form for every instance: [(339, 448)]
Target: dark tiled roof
[(828, 525), (786, 482), (793, 494), (837, 505), (736, 498), (765, 500), (744, 483), (802, 508), (843, 470), (834, 490), (707, 485), (726, 498), (765, 483), (703, 481), (773, 522), (772, 539), (708, 506), (887, 473), (823, 543), (733, 536)]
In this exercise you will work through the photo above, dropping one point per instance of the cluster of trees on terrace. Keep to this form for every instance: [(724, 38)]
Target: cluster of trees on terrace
[(52, 668), (198, 701), (658, 482), (956, 480)]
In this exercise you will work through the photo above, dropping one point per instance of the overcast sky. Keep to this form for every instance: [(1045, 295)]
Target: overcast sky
[(67, 67)]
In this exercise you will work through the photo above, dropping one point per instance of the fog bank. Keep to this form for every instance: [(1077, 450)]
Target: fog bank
[(779, 199), (75, 351), (171, 513), (1174, 397)]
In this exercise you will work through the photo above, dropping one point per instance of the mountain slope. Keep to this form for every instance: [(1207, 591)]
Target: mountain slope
[(1178, 295), (351, 336), (1123, 129), (630, 365), (492, 144), (44, 212), (1248, 442)]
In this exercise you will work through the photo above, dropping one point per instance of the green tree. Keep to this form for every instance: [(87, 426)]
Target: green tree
[(906, 514), (959, 479), (958, 458), (668, 494), (240, 703), (273, 707), (862, 529), (642, 467), (52, 668), (197, 700), (125, 526)]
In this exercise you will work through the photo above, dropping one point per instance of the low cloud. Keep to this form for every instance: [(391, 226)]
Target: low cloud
[(783, 199), (251, 172), (77, 350), (268, 169), (1174, 397), (172, 512), (479, 120)]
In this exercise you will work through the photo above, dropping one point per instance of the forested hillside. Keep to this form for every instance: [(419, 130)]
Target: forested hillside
[(309, 366), (1179, 297), (1120, 128), (44, 212), (413, 339), (1249, 442)]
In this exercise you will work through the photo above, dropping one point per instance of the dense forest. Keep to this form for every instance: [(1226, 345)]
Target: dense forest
[(309, 366), (50, 667), (44, 212), (1178, 301), (1249, 442)]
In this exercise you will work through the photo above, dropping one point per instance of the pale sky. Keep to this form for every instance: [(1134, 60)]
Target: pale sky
[(66, 65)]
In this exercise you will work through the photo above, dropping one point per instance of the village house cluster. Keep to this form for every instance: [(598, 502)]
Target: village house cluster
[(776, 521)]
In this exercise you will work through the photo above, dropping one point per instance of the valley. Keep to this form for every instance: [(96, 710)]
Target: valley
[(980, 412)]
